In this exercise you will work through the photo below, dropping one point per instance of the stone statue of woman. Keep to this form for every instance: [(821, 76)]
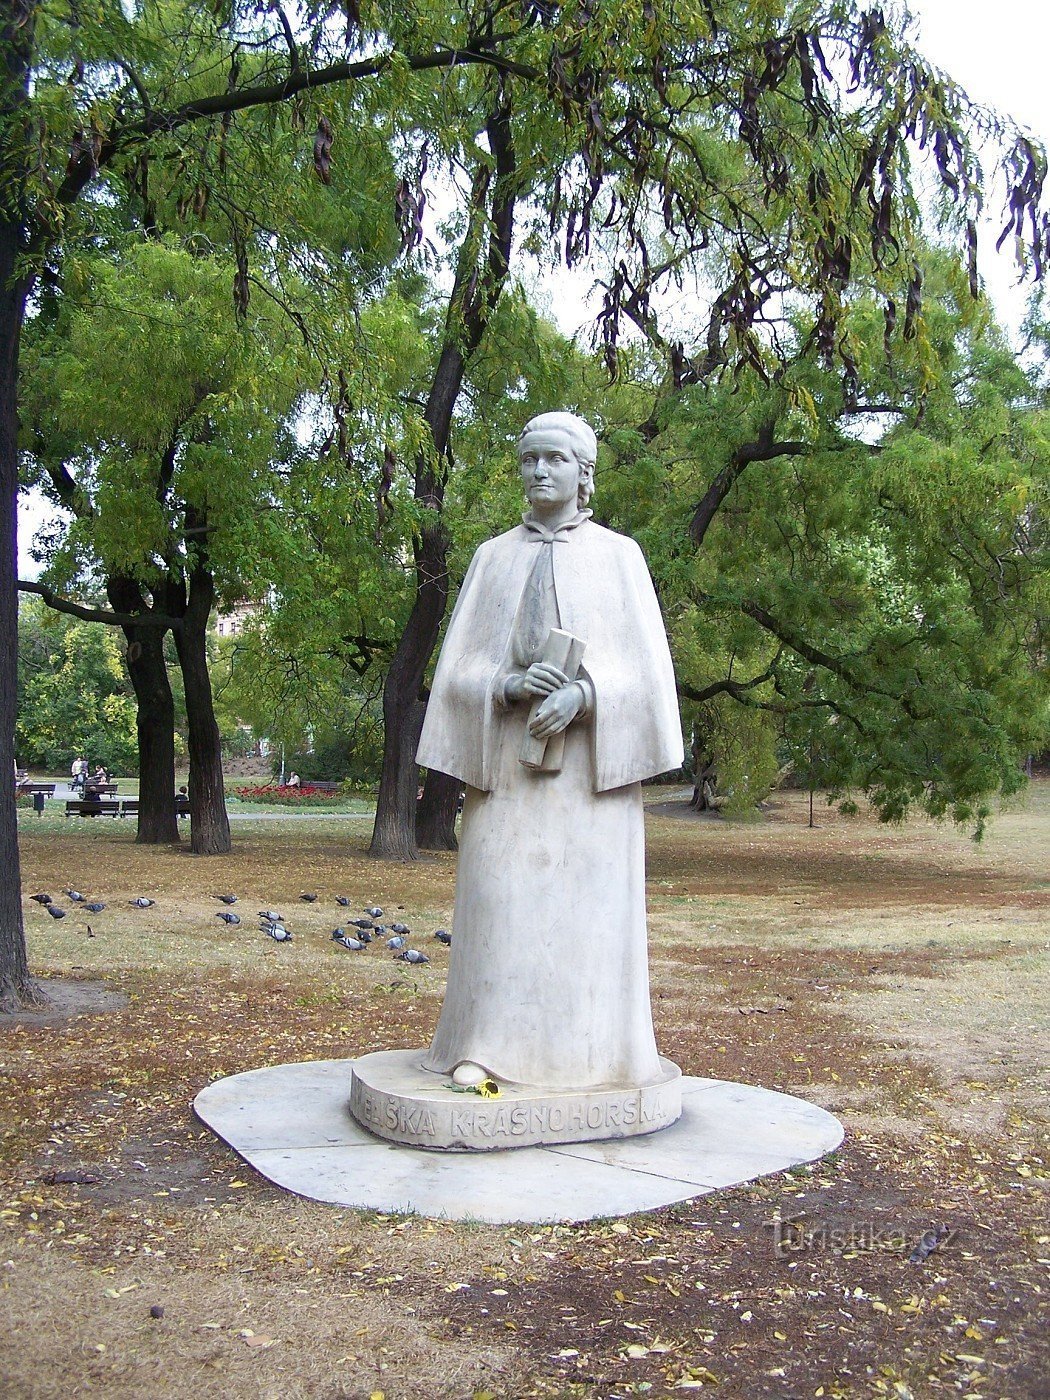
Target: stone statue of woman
[(548, 981)]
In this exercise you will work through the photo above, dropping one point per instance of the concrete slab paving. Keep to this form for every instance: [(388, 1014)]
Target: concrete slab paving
[(727, 1134), (292, 1124)]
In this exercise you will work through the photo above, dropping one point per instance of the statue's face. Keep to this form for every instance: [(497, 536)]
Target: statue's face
[(550, 472)]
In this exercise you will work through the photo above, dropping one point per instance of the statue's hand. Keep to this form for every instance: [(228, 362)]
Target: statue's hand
[(514, 688), (540, 679), (557, 712)]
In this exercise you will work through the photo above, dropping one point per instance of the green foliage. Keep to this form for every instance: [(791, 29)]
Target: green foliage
[(317, 708), (882, 600), (75, 699), (230, 366), (145, 398)]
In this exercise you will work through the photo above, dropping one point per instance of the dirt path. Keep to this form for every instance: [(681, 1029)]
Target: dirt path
[(897, 977)]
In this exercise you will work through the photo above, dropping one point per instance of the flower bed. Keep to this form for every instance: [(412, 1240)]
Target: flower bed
[(274, 794)]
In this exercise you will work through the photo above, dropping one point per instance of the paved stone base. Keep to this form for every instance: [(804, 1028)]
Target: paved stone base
[(291, 1123), (395, 1098)]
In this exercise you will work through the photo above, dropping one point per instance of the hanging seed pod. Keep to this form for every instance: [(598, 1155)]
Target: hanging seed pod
[(240, 281), (323, 150)]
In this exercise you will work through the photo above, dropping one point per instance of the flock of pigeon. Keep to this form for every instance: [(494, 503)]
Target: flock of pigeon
[(366, 930)]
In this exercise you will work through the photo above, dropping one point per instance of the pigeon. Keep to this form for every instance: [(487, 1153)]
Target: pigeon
[(41, 898), (362, 923), (270, 915), (95, 908), (413, 955), (142, 902), (55, 911), (375, 913), (309, 898), (228, 918), (340, 935), (400, 928), (226, 898), (396, 942), (365, 935), (342, 899), (279, 933), (76, 896), (443, 936), (354, 944)]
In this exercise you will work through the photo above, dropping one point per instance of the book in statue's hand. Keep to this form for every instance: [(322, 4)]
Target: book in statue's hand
[(563, 650)]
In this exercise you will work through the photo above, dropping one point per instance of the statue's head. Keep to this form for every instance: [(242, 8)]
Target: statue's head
[(573, 435)]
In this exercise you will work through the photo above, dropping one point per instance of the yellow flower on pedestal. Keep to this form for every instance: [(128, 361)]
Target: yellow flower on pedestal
[(488, 1089)]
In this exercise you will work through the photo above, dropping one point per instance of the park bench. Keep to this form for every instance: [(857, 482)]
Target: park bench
[(129, 807), (48, 789), (105, 808), (324, 787)]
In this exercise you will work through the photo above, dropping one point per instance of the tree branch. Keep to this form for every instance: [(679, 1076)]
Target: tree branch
[(85, 163), (763, 449), (837, 665), (111, 619), (69, 493), (725, 687), (289, 39)]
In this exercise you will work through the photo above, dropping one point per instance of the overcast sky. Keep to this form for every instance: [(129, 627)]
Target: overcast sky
[(997, 50)]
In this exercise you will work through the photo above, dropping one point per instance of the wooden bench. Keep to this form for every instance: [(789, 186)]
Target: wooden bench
[(48, 789), (324, 787), (129, 807), (105, 808)]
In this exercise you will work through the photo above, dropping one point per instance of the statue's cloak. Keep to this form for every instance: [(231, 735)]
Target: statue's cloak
[(548, 979), (606, 598)]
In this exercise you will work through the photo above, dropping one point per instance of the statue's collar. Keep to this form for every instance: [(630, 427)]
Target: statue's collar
[(541, 535)]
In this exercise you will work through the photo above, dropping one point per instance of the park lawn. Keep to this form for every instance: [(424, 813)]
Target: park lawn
[(896, 976)]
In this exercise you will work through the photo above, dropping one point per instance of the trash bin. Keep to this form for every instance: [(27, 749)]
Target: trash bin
[(38, 801)]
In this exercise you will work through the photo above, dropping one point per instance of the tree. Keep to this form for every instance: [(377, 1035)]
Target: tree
[(74, 699), (166, 467), (880, 596), (16, 215), (726, 118), (105, 115)]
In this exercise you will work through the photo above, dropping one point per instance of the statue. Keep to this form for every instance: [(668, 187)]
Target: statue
[(553, 698)]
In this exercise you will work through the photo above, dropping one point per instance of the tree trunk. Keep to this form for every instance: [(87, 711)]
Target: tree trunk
[(16, 986), (705, 776), (154, 720), (437, 811), (479, 283), (394, 833), (209, 824)]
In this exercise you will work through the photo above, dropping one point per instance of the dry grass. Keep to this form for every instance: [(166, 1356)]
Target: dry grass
[(897, 976)]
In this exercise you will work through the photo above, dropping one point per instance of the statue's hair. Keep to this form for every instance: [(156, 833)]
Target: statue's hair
[(582, 439)]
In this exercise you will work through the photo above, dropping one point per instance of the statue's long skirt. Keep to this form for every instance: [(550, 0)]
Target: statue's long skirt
[(548, 980)]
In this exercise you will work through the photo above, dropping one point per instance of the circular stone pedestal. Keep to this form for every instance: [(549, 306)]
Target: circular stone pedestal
[(394, 1097)]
